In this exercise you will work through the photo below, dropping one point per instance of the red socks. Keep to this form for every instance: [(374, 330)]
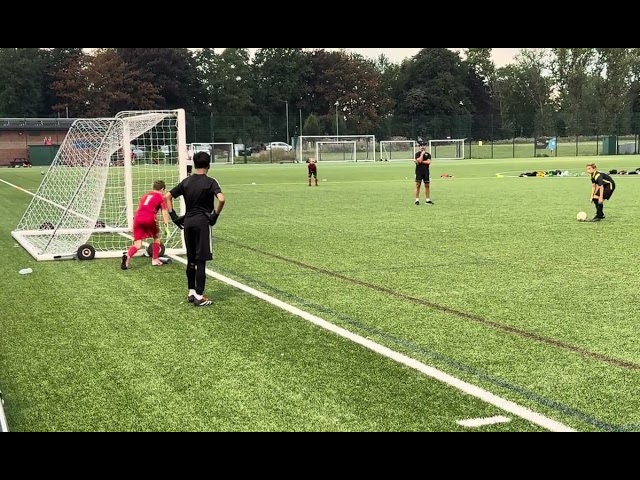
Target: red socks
[(155, 250), (132, 251)]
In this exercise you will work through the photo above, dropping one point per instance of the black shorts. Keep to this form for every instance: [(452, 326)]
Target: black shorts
[(313, 174), (606, 195), (198, 240), (422, 176)]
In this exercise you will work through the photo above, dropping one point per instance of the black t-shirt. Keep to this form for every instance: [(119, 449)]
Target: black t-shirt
[(603, 180), (199, 192), (422, 166)]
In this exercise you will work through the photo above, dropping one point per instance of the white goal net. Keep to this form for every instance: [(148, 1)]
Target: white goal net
[(90, 192), (397, 150), (449, 149), (333, 151), (365, 150)]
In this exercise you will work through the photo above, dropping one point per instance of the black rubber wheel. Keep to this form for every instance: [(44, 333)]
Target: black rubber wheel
[(86, 252), (150, 251)]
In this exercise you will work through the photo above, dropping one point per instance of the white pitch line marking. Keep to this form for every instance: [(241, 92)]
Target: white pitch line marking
[(483, 422)]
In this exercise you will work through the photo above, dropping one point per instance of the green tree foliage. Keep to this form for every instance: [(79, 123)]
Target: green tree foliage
[(534, 89), (571, 74), (280, 75), (101, 85), (354, 83), (174, 72), (312, 126), (22, 82), (56, 59), (230, 96), (391, 82), (479, 83), (612, 81), (227, 79), (434, 98)]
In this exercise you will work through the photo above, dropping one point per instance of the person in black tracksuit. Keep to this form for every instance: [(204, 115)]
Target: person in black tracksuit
[(200, 192)]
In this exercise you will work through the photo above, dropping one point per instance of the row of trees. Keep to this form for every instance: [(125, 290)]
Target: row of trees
[(232, 95)]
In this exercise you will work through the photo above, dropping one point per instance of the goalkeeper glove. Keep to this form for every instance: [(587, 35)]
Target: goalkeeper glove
[(213, 218), (178, 221), (167, 232)]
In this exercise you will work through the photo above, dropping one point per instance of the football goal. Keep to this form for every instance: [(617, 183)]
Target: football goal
[(449, 149), (365, 147), (85, 204), (333, 151), (397, 150)]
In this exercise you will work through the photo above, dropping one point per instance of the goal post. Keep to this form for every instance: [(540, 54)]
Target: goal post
[(397, 150), (336, 151), (85, 203), (447, 149), (365, 146)]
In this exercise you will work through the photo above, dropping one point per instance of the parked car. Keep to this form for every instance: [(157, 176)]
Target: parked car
[(137, 153), (278, 146), (247, 151)]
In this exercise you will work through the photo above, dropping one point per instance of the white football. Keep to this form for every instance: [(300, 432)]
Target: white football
[(582, 216)]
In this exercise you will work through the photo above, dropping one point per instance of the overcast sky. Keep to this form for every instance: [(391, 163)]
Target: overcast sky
[(501, 56)]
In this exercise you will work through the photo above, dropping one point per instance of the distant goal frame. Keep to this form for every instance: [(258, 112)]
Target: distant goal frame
[(461, 149)]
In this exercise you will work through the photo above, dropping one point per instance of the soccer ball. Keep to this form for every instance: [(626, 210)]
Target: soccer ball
[(582, 216)]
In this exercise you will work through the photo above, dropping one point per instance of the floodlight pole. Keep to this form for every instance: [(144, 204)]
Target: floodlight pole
[(337, 123), (287, 104)]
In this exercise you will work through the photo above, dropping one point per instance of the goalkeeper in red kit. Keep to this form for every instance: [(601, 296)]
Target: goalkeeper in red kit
[(312, 169), (145, 224)]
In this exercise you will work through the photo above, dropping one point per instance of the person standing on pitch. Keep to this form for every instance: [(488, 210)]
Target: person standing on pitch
[(200, 192), (189, 160), (312, 170), (423, 161), (145, 225), (602, 187)]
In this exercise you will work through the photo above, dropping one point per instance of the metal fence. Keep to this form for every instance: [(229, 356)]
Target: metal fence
[(486, 136)]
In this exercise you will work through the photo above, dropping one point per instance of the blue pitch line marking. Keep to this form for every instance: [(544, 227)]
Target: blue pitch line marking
[(540, 400)]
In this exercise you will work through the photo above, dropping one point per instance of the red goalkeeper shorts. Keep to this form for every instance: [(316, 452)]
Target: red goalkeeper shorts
[(145, 227)]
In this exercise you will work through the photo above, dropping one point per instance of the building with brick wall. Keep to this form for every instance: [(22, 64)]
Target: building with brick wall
[(17, 135)]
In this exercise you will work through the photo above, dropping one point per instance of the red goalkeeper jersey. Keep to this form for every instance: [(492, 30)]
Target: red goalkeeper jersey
[(313, 168), (150, 204)]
